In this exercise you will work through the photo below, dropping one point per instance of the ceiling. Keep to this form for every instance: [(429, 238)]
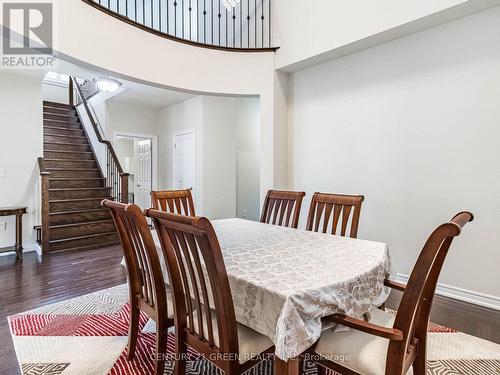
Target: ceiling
[(148, 96)]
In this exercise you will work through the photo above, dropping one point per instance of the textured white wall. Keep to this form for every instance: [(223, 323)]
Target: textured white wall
[(20, 145), (414, 125)]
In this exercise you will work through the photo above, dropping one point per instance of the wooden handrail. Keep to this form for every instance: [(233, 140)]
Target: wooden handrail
[(45, 174), (114, 162)]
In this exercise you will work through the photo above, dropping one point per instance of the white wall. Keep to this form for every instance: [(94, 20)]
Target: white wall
[(324, 29), (247, 158), (20, 146), (128, 118), (55, 93), (414, 126)]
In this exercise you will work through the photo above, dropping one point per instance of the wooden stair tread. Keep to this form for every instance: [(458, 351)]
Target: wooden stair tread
[(78, 211), (61, 121), (88, 247), (81, 188), (68, 152), (61, 128), (50, 103), (75, 178), (71, 169), (83, 237), (81, 223), (67, 136), (72, 160), (78, 199)]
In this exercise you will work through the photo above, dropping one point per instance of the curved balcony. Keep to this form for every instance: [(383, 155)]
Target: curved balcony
[(216, 24)]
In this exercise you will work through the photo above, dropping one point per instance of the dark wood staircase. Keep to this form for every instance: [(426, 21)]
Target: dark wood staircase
[(76, 184)]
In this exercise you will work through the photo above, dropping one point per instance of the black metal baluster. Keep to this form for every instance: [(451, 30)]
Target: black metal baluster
[(234, 28), (168, 21), (269, 23), (262, 23), (126, 8), (152, 13), (159, 15), (183, 19), (248, 24), (135, 10), (227, 33), (144, 12), (204, 21), (241, 25), (219, 22), (175, 17), (255, 22), (212, 22), (190, 25)]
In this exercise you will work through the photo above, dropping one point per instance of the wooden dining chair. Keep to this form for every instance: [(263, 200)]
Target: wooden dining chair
[(174, 201), (323, 206), (389, 344), (147, 289), (282, 208), (204, 312)]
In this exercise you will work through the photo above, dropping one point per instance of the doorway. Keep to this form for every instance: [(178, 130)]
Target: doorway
[(137, 155), (184, 160)]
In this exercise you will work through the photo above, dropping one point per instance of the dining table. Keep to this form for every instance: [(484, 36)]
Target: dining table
[(284, 281)]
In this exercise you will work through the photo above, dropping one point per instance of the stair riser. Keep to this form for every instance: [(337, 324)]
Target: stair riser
[(61, 124), (79, 217), (91, 164), (75, 205), (76, 194), (48, 116), (73, 132), (72, 147), (81, 230), (67, 184), (64, 139), (105, 239), (59, 111), (67, 155), (77, 173)]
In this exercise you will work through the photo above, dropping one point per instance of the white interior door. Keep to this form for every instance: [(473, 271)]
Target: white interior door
[(184, 160), (144, 175)]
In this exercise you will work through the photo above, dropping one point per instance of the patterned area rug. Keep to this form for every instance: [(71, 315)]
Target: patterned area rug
[(88, 335)]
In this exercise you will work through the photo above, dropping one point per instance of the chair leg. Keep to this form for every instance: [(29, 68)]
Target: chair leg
[(180, 355), (133, 330), (321, 370), (420, 364), (161, 346)]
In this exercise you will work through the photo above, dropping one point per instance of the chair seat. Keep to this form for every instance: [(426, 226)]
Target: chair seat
[(356, 350), (251, 343)]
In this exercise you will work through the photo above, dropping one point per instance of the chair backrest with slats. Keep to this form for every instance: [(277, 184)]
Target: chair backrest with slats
[(282, 208), (174, 201), (197, 274), (141, 256), (327, 209), (413, 314)]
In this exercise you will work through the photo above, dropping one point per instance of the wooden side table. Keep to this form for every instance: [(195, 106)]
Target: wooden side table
[(18, 212)]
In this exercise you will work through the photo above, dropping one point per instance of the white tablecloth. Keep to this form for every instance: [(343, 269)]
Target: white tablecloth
[(283, 281)]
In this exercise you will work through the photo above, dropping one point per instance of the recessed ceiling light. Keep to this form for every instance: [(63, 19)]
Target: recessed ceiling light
[(107, 84)]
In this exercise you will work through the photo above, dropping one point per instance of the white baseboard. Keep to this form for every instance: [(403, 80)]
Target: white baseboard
[(26, 249), (460, 294)]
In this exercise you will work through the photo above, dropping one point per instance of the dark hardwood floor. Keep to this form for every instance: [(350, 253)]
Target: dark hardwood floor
[(39, 281)]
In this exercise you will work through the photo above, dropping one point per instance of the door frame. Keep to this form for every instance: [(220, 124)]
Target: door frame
[(154, 152), (174, 135)]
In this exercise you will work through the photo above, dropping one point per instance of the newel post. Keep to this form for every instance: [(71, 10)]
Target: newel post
[(45, 214), (71, 91), (124, 184)]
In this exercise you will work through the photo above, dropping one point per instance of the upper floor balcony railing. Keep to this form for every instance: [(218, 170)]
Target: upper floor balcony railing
[(222, 24)]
